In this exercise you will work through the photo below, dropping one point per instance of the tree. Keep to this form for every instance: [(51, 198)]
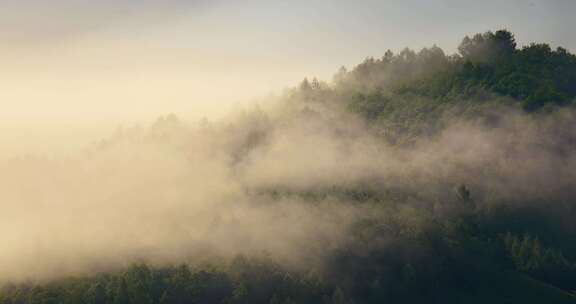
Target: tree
[(338, 297), (121, 293), (139, 283), (487, 47), (505, 42), (96, 294), (168, 298), (305, 85), (315, 85)]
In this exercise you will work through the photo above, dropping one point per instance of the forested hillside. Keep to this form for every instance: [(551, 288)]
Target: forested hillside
[(417, 177)]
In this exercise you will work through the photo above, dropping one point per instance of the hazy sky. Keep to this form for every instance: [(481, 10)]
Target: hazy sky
[(72, 62)]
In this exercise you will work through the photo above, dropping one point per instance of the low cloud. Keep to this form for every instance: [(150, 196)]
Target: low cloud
[(257, 183)]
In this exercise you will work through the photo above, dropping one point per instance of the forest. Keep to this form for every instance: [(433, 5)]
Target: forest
[(416, 177)]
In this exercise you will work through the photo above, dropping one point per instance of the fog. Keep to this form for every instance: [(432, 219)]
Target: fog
[(176, 191), (96, 174)]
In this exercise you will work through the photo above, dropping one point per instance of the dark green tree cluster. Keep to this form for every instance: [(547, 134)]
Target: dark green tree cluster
[(535, 74), (245, 281), (409, 91), (528, 255)]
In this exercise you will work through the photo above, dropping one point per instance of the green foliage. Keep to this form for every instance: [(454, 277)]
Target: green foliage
[(535, 76), (528, 255)]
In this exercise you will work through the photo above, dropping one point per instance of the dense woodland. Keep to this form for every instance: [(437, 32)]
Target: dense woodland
[(453, 242)]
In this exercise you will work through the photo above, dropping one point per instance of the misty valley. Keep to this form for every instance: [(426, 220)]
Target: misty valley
[(415, 177)]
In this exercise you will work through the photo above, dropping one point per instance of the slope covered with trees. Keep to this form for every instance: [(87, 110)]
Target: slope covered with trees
[(481, 211), (411, 90)]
